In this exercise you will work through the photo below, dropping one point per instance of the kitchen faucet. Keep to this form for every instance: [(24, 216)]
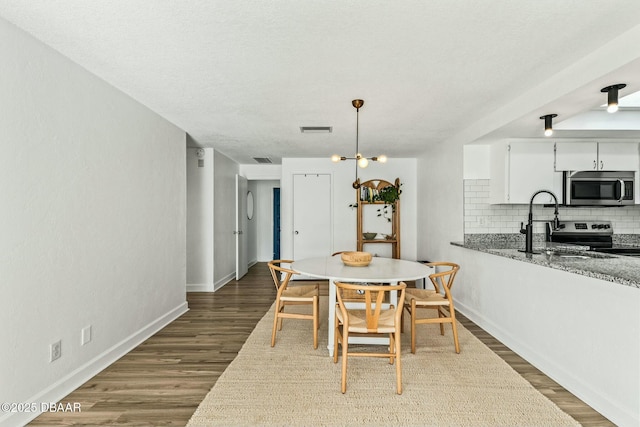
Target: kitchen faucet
[(528, 230)]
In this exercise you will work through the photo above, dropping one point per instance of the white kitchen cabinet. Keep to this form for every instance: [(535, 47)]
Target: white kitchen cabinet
[(597, 156), (618, 156), (519, 169)]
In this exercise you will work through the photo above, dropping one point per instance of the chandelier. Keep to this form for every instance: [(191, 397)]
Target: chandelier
[(361, 161)]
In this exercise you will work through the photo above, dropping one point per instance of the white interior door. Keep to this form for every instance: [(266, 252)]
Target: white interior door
[(242, 259), (311, 215)]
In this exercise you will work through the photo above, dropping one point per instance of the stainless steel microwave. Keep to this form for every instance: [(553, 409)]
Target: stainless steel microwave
[(599, 188)]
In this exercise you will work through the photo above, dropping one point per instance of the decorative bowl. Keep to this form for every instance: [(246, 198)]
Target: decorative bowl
[(356, 259), (369, 236)]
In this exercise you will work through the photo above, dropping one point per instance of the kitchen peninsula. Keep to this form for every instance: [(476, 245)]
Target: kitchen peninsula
[(573, 259), (575, 317)]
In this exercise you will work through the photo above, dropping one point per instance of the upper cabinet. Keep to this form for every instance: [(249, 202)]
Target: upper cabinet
[(520, 169), (597, 156)]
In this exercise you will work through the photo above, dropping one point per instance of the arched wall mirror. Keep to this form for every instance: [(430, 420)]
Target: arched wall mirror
[(249, 205)]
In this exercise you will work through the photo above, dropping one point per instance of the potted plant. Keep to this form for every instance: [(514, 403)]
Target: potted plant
[(388, 195)]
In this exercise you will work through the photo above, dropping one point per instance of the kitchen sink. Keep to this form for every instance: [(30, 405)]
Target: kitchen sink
[(578, 255), (572, 256)]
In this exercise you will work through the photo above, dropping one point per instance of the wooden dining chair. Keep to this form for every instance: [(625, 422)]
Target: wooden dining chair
[(293, 295), (372, 316), (438, 299)]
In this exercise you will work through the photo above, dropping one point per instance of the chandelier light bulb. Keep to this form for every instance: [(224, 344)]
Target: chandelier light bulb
[(360, 160), (548, 132), (612, 108)]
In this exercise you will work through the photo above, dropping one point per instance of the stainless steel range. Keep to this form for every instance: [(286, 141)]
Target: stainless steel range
[(598, 235)]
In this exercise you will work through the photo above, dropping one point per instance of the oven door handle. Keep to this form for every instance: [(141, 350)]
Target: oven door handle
[(621, 190)]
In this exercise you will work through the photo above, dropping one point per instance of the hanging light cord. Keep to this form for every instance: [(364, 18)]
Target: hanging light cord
[(361, 161), (356, 183)]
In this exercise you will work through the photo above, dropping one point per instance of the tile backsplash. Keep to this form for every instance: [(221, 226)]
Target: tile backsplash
[(480, 217)]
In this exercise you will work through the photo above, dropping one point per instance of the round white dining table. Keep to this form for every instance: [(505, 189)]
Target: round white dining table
[(380, 270)]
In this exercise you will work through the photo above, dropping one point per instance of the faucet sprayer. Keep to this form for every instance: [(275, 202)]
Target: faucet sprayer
[(528, 230)]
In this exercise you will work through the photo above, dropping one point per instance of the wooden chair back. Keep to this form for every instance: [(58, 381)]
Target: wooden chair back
[(443, 280), (373, 298), (281, 275), (294, 295)]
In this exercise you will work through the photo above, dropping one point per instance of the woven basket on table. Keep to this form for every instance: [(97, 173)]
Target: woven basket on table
[(356, 259)]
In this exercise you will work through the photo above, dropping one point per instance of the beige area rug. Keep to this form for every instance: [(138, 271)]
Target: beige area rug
[(294, 385)]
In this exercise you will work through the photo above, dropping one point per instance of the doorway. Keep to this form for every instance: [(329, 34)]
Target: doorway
[(312, 231)]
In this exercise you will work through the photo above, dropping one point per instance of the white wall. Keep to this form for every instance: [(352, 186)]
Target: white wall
[(92, 222), (200, 221), (440, 219), (343, 194), (224, 219)]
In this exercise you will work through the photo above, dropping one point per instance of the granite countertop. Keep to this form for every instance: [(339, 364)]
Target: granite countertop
[(624, 270)]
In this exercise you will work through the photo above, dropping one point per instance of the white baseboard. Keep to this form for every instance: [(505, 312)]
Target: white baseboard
[(199, 287), (220, 283), (585, 392), (205, 287), (81, 375)]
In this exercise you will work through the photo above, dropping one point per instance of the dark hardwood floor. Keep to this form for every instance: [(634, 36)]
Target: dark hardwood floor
[(162, 381)]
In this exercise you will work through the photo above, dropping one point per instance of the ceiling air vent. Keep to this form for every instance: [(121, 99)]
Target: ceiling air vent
[(262, 160), (316, 129)]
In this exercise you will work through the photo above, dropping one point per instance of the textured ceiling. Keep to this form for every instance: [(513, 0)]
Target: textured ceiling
[(243, 76)]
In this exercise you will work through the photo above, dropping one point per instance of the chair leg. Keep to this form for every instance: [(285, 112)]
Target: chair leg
[(413, 326), (441, 314), (336, 333), (345, 348), (455, 330), (392, 348), (398, 366), (275, 324), (315, 322)]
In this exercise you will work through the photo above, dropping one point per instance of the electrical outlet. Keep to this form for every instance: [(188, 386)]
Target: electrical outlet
[(85, 335), (55, 351)]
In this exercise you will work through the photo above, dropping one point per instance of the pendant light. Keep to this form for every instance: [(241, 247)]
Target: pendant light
[(548, 126), (612, 96), (361, 160)]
